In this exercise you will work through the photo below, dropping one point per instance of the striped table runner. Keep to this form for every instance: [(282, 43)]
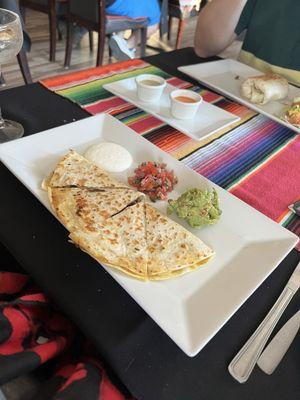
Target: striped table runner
[(256, 159)]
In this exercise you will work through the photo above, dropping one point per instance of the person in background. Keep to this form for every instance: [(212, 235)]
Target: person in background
[(121, 49), (78, 31), (125, 49), (272, 38)]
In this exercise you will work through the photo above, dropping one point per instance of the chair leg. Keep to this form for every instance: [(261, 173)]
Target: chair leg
[(52, 26), (100, 52), (60, 37), (59, 31), (109, 49), (24, 67), (170, 23), (180, 33), (143, 41), (23, 13), (69, 44), (91, 40), (2, 80)]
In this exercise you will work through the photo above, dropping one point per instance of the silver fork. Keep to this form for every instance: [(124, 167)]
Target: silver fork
[(243, 363)]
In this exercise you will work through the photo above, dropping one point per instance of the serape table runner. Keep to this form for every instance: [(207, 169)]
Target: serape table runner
[(256, 159)]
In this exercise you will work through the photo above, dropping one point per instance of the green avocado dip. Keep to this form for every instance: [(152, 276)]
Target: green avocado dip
[(198, 207)]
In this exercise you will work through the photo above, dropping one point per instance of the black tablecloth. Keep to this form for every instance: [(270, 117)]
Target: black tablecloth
[(143, 356)]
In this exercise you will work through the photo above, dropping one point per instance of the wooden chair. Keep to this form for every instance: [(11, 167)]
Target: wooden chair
[(175, 12), (47, 7), (91, 14)]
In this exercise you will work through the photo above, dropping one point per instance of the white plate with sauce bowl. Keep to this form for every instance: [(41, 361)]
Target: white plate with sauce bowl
[(208, 119)]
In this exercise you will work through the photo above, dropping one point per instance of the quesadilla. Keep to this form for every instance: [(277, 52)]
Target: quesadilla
[(111, 222), (265, 88), (76, 171), (87, 209), (119, 242), (172, 250), (118, 229)]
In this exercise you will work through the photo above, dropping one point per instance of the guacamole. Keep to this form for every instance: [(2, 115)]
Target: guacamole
[(198, 207)]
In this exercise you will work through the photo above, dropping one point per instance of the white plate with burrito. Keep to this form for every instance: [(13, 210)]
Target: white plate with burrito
[(227, 77)]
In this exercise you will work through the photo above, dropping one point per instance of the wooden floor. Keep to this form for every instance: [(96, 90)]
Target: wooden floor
[(37, 27)]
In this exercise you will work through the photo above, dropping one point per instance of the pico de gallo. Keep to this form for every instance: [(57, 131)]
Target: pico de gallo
[(293, 113), (153, 179)]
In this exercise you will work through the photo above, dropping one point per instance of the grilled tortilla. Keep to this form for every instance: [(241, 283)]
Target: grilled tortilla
[(76, 171), (172, 249), (109, 221), (143, 243), (134, 238), (86, 209), (119, 242)]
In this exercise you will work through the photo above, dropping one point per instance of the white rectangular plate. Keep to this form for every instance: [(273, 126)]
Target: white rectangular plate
[(192, 308), (222, 77), (208, 120)]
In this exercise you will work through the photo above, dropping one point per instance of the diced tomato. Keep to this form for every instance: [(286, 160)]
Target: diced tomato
[(153, 179)]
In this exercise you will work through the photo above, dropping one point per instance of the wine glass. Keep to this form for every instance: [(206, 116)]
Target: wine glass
[(11, 42)]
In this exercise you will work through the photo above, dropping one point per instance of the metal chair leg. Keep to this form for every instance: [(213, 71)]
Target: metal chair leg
[(100, 52), (109, 49), (2, 80), (24, 67), (180, 33), (143, 41), (170, 23), (91, 40), (52, 26), (59, 31), (23, 13), (69, 44)]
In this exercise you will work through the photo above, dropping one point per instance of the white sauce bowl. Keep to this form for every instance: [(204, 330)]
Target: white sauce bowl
[(183, 110), (149, 93)]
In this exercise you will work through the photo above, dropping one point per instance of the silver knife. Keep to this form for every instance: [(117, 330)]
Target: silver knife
[(243, 363), (279, 345)]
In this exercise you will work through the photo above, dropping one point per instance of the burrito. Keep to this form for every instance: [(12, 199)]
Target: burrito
[(262, 89)]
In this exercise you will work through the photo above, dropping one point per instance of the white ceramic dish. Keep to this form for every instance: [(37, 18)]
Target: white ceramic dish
[(227, 76), (150, 93), (192, 308), (208, 120), (184, 110)]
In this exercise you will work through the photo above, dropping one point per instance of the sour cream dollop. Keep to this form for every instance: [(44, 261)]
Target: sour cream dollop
[(109, 156)]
